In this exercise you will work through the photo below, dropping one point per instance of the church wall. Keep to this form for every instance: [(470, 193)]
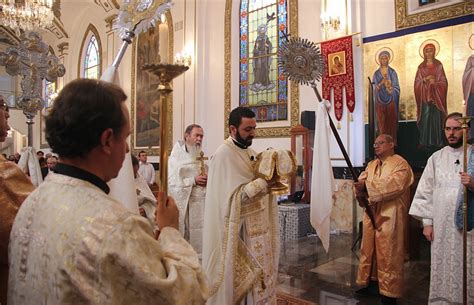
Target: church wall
[(209, 75), (184, 94), (376, 17), (198, 95)]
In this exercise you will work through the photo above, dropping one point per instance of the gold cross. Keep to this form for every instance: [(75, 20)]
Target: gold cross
[(202, 159)]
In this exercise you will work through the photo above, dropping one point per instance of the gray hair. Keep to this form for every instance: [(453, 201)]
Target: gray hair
[(190, 128)]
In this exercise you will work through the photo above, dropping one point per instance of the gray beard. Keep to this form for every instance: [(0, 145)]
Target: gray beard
[(193, 149)]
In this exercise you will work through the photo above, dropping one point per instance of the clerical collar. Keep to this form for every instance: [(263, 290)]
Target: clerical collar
[(238, 144), (76, 172)]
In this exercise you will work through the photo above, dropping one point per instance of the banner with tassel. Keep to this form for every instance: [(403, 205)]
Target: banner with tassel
[(339, 75)]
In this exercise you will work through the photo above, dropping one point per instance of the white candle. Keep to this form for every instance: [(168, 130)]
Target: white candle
[(464, 108), (163, 32)]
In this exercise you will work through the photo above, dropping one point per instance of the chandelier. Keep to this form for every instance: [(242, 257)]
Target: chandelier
[(26, 15), (329, 23)]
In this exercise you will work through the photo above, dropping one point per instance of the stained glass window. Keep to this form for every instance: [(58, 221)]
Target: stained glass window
[(263, 88), (92, 59)]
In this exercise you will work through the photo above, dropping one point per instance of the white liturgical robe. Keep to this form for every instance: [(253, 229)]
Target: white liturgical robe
[(71, 243), (435, 202), (241, 242), (146, 199), (183, 167), (148, 172)]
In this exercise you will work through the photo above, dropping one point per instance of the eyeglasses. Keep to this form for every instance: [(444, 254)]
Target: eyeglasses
[(379, 143), (448, 129)]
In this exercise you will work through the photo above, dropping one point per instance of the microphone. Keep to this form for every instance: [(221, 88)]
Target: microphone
[(457, 162)]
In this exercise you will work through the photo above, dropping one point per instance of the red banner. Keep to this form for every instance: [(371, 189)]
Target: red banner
[(339, 73)]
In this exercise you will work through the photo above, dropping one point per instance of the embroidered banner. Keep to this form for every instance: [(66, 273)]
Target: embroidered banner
[(339, 73)]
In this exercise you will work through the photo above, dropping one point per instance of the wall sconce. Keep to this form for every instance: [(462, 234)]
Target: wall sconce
[(183, 59), (330, 23)]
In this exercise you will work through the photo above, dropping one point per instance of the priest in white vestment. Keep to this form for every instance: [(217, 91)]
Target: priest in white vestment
[(241, 229), (146, 199), (434, 203), (71, 243), (187, 179)]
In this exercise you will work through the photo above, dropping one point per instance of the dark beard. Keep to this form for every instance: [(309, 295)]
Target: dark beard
[(247, 142), (457, 144)]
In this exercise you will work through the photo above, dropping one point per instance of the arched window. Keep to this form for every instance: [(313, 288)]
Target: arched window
[(263, 88), (91, 50), (92, 59)]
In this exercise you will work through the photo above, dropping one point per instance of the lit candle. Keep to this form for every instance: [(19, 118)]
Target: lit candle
[(464, 108), (177, 59)]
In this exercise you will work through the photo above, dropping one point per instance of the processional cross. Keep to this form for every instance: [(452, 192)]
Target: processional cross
[(33, 61), (201, 160)]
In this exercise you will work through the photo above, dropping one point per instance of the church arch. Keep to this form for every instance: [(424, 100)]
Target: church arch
[(90, 56)]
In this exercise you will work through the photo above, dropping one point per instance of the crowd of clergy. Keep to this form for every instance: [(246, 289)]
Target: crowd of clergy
[(215, 239)]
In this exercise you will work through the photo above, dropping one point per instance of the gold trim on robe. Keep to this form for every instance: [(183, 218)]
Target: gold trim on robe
[(14, 188)]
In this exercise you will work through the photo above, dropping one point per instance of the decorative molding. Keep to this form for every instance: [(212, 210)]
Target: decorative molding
[(57, 29), (227, 65), (405, 20), (63, 47), (109, 22), (90, 28), (151, 151), (107, 5), (293, 105), (115, 3)]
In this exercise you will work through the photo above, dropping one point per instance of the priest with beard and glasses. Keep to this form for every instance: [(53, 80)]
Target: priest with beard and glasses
[(241, 230), (187, 181), (437, 201)]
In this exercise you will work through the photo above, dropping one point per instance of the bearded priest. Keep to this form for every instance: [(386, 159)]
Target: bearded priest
[(241, 242), (187, 181)]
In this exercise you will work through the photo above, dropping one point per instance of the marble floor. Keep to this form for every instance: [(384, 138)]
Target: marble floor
[(307, 272)]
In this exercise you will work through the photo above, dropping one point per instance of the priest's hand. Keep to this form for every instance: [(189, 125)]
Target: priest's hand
[(359, 188), (428, 232), (167, 213), (467, 180), (201, 180)]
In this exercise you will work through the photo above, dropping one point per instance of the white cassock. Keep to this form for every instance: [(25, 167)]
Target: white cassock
[(146, 199), (183, 167), (71, 243), (241, 241), (434, 203), (148, 172)]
